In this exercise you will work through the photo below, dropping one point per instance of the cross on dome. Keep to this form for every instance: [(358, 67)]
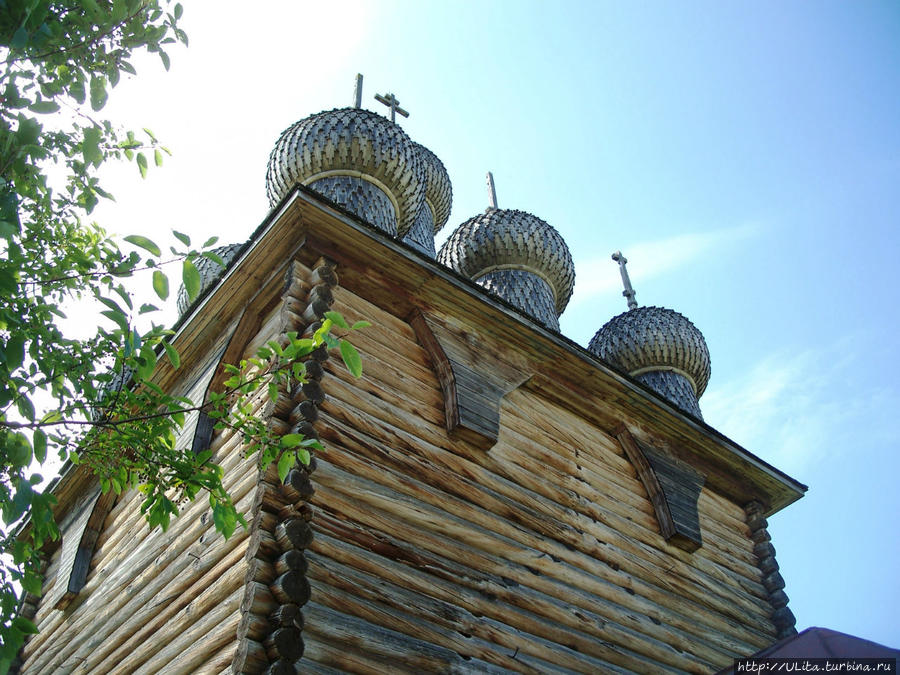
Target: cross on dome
[(393, 103), (492, 191), (629, 291)]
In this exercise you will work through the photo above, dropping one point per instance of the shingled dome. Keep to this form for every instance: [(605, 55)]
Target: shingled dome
[(435, 211), (358, 159), (660, 348), (210, 272), (517, 256)]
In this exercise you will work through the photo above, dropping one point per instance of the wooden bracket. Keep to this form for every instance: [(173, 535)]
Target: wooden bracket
[(473, 380), (78, 541), (673, 487)]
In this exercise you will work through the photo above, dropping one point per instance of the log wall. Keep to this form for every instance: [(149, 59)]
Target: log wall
[(157, 602), (540, 554)]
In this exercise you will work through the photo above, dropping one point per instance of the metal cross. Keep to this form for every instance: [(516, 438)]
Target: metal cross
[(492, 191), (357, 91), (629, 291), (393, 103)]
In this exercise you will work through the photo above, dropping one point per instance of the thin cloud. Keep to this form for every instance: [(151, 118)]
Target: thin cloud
[(794, 410), (650, 259)]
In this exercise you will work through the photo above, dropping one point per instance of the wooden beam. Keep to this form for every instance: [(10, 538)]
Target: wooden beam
[(673, 487), (473, 381)]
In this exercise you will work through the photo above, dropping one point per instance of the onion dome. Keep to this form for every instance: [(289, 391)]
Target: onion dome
[(210, 272), (435, 211), (516, 256), (358, 159), (660, 348)]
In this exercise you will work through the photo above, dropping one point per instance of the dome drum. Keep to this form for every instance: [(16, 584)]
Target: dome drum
[(674, 387), (421, 234), (525, 291), (361, 197)]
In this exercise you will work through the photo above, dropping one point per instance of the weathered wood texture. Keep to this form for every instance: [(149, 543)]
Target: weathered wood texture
[(541, 554), (153, 601), (673, 487)]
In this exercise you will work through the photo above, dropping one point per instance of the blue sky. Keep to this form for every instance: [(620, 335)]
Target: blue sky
[(745, 157)]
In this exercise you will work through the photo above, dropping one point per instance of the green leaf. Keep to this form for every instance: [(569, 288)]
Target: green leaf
[(183, 238), (26, 408), (18, 450), (19, 38), (148, 362), (40, 446), (215, 257), (142, 164), (15, 351), (29, 131), (31, 583), (178, 11), (360, 324), (191, 279), (351, 358), (98, 92), (144, 243), (76, 91), (292, 440), (165, 59), (160, 284), (337, 319), (44, 107), (24, 625), (303, 456), (157, 157), (172, 353), (209, 242), (118, 318), (285, 462)]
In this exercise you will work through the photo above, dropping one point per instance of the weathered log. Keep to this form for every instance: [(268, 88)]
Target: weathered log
[(277, 426), (285, 643), (768, 565), (291, 560), (253, 626), (287, 615), (309, 391), (291, 588), (320, 353), (249, 657), (157, 564), (281, 667), (314, 370), (305, 428), (305, 411), (258, 600), (773, 582), (311, 329), (764, 549), (778, 599), (315, 311), (321, 293), (262, 544), (324, 274), (260, 570), (293, 533), (297, 485)]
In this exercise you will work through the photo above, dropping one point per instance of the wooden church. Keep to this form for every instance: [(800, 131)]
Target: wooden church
[(492, 497)]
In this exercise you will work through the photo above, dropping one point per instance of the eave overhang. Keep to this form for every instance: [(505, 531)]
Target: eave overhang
[(399, 279)]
